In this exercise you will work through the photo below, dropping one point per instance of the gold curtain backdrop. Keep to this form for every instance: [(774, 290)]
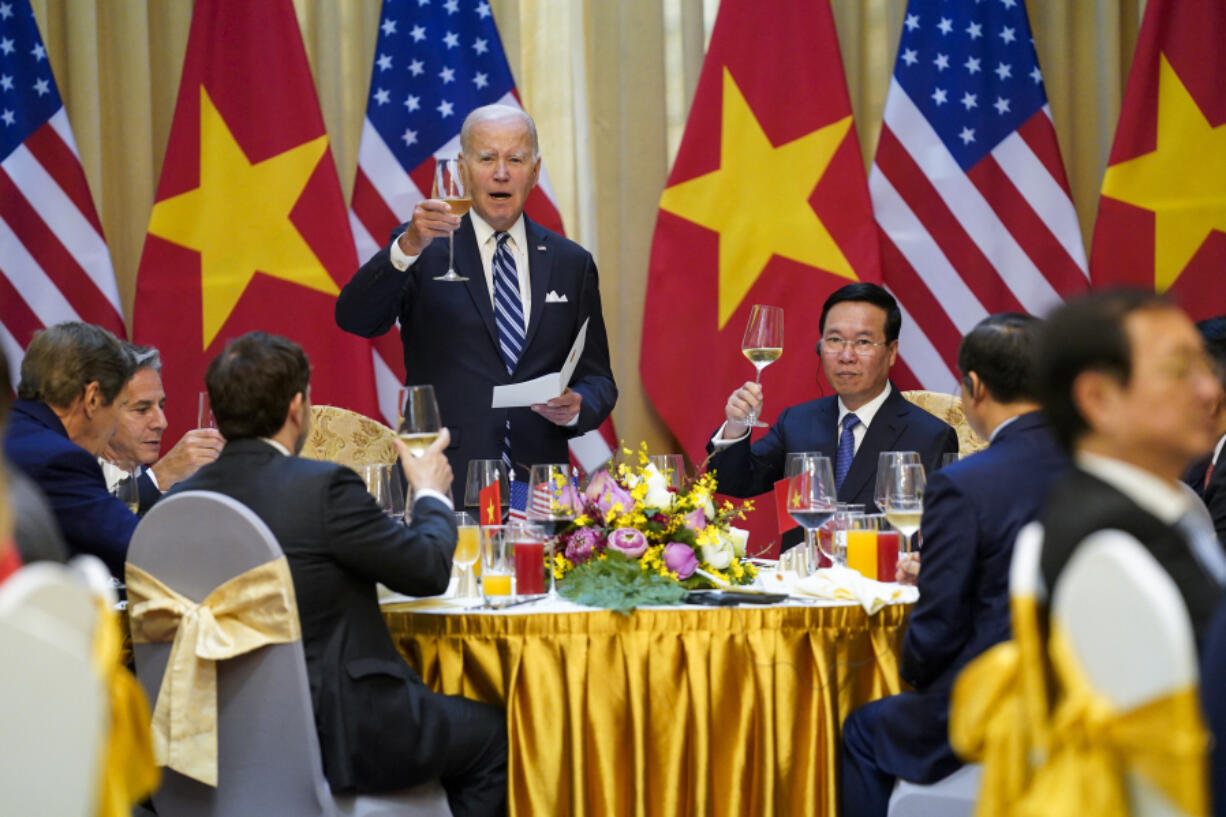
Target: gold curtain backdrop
[(609, 84)]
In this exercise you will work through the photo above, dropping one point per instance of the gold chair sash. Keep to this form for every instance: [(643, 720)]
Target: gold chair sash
[(251, 610), (129, 772)]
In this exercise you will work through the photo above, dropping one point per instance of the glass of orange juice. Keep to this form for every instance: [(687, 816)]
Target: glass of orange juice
[(497, 563), (862, 545)]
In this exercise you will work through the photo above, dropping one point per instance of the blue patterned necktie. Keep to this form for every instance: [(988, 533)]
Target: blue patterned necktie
[(509, 317), (847, 450)]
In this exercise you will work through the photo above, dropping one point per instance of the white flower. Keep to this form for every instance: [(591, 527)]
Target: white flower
[(702, 499), (658, 496), (737, 539), (718, 555)]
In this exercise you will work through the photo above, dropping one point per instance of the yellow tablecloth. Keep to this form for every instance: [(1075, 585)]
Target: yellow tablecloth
[(727, 711)]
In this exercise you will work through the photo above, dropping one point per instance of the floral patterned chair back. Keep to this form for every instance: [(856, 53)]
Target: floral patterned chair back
[(948, 407), (346, 437)]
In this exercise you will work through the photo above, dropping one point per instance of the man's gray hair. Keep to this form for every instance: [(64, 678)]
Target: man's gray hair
[(496, 113), (146, 357), (63, 359)]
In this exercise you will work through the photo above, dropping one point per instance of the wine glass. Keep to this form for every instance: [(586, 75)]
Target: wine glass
[(127, 490), (467, 550), (904, 500), (887, 461), (553, 502), (419, 425), (762, 344), (671, 466), (488, 478), (811, 492), (204, 416), (381, 483), (449, 186), (792, 467)]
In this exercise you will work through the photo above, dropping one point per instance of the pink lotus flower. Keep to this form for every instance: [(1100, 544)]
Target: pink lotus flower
[(604, 492), (695, 520), (628, 542), (680, 559), (582, 545)]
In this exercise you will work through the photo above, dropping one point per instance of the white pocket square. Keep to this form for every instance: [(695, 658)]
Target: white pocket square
[(552, 297)]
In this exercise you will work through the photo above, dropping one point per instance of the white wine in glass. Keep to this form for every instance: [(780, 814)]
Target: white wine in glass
[(419, 426), (887, 461), (762, 344), (449, 186), (904, 502)]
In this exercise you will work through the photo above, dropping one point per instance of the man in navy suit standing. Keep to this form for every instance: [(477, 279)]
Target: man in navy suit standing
[(867, 415), (528, 292), (973, 510)]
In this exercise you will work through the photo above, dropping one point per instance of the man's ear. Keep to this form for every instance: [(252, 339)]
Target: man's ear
[(91, 398), (1095, 396), (295, 414), (975, 388)]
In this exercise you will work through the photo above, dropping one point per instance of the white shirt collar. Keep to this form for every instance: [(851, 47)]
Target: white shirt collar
[(868, 411), (276, 445), (482, 230), (1217, 451), (1151, 492)]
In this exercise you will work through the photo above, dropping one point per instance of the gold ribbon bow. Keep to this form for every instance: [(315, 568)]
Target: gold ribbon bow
[(129, 773), (251, 610), (1093, 743)]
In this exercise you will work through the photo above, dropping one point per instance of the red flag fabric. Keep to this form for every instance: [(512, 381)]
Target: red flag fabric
[(968, 186), (248, 228), (785, 520), (766, 203), (1162, 216), (54, 263), (490, 500)]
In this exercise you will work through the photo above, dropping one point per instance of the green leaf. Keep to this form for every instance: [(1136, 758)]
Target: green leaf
[(619, 584)]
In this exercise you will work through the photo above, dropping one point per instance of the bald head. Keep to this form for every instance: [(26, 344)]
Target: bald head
[(499, 114)]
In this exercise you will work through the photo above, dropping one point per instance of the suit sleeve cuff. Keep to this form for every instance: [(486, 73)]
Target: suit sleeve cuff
[(426, 492), (718, 442)]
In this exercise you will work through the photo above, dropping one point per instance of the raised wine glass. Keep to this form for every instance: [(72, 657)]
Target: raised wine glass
[(419, 425), (887, 461), (811, 492), (449, 186), (904, 501), (553, 503), (762, 344)]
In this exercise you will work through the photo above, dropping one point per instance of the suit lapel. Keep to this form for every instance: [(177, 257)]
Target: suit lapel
[(468, 264), (825, 435), (882, 434), (540, 263)]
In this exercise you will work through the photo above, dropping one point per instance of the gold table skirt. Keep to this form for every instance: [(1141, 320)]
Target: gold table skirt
[(727, 711)]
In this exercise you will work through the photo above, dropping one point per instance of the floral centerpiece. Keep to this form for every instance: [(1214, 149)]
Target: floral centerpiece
[(636, 540)]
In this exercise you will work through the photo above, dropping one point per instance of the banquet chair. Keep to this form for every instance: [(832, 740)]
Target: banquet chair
[(348, 438), (948, 407), (1130, 631), (268, 756), (52, 702)]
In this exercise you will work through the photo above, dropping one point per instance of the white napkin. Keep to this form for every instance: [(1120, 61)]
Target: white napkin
[(845, 584)]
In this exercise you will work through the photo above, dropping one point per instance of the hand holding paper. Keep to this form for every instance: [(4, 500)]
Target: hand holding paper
[(544, 388)]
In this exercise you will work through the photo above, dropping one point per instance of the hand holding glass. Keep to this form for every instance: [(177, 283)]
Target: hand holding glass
[(762, 344), (449, 186)]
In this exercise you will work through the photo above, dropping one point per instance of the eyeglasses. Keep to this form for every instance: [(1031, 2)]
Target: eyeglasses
[(833, 345)]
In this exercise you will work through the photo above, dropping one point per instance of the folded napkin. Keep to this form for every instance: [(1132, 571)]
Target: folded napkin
[(845, 584)]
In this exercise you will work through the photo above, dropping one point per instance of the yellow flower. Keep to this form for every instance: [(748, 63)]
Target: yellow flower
[(583, 520)]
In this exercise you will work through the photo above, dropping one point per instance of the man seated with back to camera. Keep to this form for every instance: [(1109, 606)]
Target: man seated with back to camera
[(973, 510), (380, 728), (137, 441), (867, 415)]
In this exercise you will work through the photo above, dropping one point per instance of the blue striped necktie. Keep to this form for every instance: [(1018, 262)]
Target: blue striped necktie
[(509, 316), (847, 450)]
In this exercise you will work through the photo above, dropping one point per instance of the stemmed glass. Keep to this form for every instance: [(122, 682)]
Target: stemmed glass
[(204, 417), (419, 426), (791, 467), (467, 551), (553, 502), (762, 344), (449, 186), (127, 490), (671, 467), (482, 474), (904, 500), (811, 492), (887, 461)]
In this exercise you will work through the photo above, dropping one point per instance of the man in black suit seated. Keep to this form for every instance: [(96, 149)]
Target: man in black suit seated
[(380, 728), (973, 510), (1130, 392), (137, 441), (1205, 477), (866, 415)]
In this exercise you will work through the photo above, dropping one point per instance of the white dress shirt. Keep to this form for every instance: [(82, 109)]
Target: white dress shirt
[(865, 414), (114, 475)]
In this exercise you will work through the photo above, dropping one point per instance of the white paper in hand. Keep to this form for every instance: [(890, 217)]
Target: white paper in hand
[(546, 387)]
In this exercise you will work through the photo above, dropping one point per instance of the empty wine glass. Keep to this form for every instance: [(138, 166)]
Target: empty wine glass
[(553, 503), (488, 479), (449, 186), (672, 466), (762, 344)]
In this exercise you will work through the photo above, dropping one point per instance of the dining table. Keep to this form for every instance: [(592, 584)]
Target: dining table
[(684, 710)]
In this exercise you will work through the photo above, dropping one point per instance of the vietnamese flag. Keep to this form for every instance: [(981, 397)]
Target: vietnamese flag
[(1162, 216), (249, 228), (766, 203)]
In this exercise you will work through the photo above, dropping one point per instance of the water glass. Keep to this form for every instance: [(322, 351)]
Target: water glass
[(498, 562)]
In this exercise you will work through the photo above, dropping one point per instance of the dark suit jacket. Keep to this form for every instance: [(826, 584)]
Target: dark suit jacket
[(899, 425), (973, 510), (1213, 494), (1213, 678), (91, 520), (450, 340), (339, 543)]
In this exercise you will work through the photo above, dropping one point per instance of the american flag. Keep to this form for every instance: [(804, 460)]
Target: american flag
[(518, 503), (434, 62), (968, 187), (54, 264)]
